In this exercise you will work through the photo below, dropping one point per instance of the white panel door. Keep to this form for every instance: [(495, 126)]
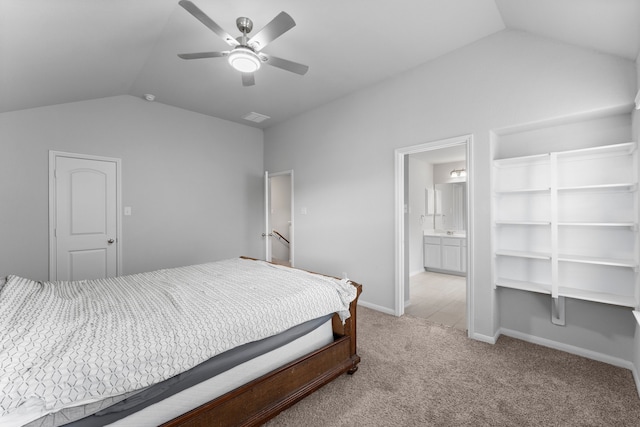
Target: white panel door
[(85, 218)]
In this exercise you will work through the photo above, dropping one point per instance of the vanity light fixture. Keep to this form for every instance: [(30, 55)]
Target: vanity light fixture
[(457, 173)]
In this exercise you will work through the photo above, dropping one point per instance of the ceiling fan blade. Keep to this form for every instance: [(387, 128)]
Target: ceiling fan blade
[(200, 55), (248, 79), (285, 64), (202, 17), (274, 29)]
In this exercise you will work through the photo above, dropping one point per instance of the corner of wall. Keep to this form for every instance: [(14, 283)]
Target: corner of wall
[(635, 119), (636, 357), (636, 111), (636, 137)]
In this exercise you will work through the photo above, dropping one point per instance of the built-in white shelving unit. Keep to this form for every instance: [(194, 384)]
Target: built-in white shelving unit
[(566, 224)]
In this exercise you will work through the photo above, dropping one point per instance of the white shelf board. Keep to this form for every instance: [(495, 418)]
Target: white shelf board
[(512, 222), (524, 254), (540, 288), (563, 291), (524, 191), (600, 261), (598, 224), (522, 160), (629, 186), (623, 148), (636, 313), (602, 297)]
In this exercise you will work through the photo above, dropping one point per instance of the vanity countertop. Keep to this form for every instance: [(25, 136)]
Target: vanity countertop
[(440, 233)]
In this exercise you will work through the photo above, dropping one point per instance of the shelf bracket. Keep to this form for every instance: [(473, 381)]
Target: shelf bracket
[(557, 311)]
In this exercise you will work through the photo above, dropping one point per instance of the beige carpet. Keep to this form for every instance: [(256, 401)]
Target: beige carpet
[(416, 373)]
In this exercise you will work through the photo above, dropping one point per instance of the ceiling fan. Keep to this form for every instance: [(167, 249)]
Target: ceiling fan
[(246, 54)]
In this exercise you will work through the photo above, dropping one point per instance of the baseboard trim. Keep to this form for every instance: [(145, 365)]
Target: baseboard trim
[(579, 351), (376, 307), (485, 338), (634, 371)]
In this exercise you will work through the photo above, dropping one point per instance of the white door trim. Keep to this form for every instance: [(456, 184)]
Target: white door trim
[(52, 204), (292, 245), (400, 272), (266, 233)]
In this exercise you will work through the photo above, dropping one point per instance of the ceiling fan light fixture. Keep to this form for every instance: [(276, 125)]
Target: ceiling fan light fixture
[(244, 60)]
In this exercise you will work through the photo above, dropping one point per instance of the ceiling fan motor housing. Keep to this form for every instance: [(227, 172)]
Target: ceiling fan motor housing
[(245, 25)]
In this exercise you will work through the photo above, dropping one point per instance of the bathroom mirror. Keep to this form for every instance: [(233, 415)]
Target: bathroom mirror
[(450, 206)]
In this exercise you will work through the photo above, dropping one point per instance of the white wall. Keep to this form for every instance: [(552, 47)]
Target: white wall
[(194, 182), (420, 178), (343, 152)]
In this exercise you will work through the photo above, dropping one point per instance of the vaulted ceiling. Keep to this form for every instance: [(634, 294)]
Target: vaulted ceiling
[(60, 51)]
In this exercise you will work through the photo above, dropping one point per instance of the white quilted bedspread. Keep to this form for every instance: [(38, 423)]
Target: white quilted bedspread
[(64, 344)]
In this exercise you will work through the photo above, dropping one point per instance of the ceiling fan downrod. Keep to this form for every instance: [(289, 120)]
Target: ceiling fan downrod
[(245, 25)]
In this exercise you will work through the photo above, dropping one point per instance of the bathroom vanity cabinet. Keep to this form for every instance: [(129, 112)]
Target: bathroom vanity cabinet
[(446, 254)]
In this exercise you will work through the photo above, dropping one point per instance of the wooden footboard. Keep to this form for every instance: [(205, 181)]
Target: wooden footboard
[(262, 399)]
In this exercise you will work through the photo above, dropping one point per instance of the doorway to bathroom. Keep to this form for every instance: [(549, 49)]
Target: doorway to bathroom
[(433, 193), (437, 228)]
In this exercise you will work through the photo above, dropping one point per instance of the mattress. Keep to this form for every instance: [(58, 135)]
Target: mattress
[(74, 343), (206, 391), (223, 373)]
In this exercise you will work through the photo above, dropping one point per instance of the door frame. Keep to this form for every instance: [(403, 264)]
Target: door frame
[(267, 215), (400, 219), (53, 248)]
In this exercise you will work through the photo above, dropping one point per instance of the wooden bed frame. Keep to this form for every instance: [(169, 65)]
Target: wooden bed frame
[(263, 398)]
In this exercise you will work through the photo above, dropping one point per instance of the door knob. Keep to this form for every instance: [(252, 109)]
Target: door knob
[(110, 241)]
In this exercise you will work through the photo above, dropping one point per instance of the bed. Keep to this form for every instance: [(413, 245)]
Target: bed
[(227, 343)]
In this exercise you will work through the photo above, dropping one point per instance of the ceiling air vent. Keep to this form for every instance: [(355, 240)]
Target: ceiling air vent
[(255, 117)]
